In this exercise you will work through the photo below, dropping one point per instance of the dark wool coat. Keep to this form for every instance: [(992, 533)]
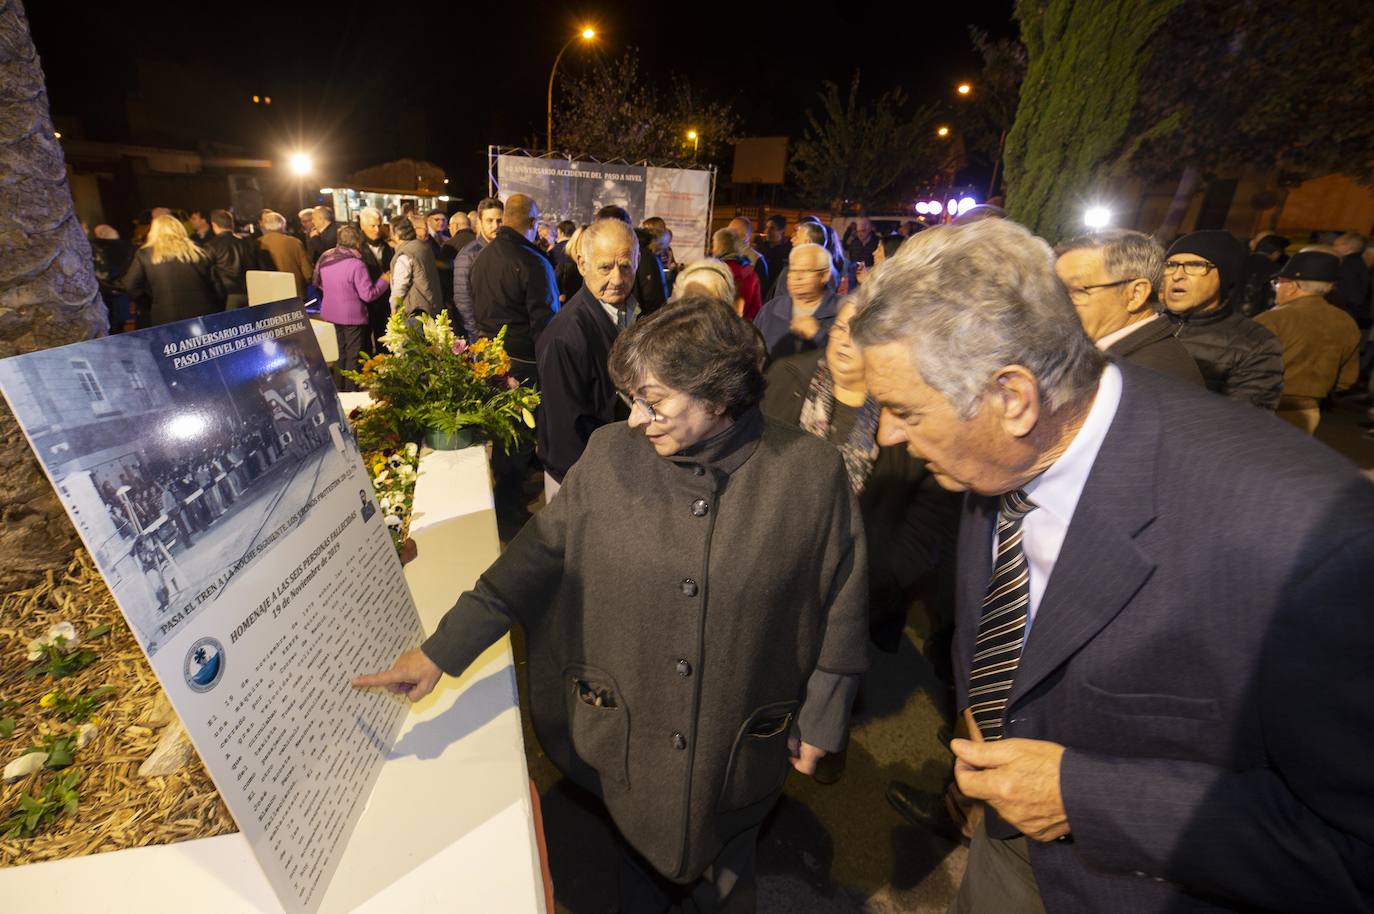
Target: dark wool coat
[(177, 290), (910, 523), (674, 611)]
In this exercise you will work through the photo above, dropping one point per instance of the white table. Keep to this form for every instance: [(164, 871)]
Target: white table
[(449, 825)]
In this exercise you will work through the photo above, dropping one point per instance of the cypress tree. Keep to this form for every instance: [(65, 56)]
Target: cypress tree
[(1080, 90)]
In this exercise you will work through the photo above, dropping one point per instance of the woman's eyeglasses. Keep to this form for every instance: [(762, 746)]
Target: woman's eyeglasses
[(646, 405)]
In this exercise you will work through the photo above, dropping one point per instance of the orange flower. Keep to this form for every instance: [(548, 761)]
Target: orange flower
[(481, 370), (503, 363), (479, 347)]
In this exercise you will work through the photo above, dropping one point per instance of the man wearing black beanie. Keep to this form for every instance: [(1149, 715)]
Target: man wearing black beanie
[(1237, 357)]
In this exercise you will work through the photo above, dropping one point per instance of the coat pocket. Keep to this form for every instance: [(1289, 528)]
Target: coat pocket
[(598, 722), (758, 760)]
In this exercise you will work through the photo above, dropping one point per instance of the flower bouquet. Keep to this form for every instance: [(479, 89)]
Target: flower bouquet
[(429, 379), (431, 382)]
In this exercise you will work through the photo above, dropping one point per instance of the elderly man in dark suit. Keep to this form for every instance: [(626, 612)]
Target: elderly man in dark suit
[(1163, 645), (1112, 277)]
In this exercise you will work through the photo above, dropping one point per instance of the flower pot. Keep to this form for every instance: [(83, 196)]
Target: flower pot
[(448, 441)]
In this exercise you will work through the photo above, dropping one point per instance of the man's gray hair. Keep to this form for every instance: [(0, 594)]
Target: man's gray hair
[(1314, 286), (1125, 254), (706, 276), (972, 299), (608, 228), (273, 222), (370, 212)]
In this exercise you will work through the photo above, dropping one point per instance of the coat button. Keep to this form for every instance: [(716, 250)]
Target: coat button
[(679, 741), (700, 507), (698, 471), (689, 587), (684, 669)]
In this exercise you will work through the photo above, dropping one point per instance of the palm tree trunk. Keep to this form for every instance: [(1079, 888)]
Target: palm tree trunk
[(48, 293)]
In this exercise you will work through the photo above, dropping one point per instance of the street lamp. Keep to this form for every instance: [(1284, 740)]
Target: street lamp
[(942, 131), (587, 34), (300, 167), (963, 88), (696, 141)]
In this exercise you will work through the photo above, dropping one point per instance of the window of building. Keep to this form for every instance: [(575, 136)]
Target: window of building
[(91, 385), (135, 378)]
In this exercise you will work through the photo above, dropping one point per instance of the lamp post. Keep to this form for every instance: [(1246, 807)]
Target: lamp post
[(586, 34), (696, 143)]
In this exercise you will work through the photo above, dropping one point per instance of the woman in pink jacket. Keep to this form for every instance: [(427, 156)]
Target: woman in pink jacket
[(345, 290)]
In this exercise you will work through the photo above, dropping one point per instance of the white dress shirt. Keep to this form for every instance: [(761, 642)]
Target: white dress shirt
[(1055, 492)]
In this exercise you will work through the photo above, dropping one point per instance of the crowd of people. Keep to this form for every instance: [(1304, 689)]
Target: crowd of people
[(798, 410), (797, 417)]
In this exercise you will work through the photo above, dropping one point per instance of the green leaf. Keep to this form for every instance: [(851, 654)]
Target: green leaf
[(6, 727), (98, 631), (60, 754), (8, 705)]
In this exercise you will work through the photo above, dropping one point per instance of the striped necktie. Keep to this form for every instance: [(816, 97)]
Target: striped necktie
[(1002, 627)]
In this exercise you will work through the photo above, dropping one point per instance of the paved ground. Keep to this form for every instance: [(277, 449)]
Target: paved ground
[(839, 849)]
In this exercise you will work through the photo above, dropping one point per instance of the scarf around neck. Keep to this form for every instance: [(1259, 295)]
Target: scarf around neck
[(860, 449)]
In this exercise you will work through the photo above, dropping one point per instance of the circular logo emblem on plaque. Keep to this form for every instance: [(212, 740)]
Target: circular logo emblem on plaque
[(204, 665)]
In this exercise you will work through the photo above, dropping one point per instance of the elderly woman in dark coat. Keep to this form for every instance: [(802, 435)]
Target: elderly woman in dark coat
[(694, 617)]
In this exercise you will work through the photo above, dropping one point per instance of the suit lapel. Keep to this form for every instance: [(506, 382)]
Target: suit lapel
[(1100, 566)]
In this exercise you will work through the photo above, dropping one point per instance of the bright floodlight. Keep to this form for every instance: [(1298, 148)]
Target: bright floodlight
[(1097, 217), (589, 34), (186, 426), (936, 208), (922, 207), (300, 163), (691, 134), (966, 204)]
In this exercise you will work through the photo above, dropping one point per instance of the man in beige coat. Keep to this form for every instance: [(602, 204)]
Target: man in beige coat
[(287, 253), (1321, 343)]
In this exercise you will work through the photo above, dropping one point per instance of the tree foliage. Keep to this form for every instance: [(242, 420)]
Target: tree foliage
[(611, 110), (1082, 83), (992, 109), (860, 151), (1236, 83)]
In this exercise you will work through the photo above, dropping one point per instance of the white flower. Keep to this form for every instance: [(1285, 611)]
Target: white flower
[(84, 734), (393, 520), (66, 631), (36, 649), (395, 337), (24, 766), (412, 449)]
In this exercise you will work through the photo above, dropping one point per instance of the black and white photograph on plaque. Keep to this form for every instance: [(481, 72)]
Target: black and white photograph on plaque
[(183, 450)]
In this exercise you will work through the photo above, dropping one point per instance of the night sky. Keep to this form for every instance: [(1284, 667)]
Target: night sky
[(364, 83)]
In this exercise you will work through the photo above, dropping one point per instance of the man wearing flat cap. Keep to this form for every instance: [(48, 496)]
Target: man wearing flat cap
[(1321, 343), (1238, 358)]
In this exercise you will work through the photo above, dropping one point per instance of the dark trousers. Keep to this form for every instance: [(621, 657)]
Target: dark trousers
[(508, 469), (727, 886), (999, 879), (351, 338)]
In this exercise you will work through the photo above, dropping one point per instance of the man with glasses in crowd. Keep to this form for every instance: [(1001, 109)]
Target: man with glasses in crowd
[(1238, 358), (1111, 277), (1321, 343)]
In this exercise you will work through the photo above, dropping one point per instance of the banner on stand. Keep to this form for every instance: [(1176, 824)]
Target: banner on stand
[(210, 472), (576, 190)]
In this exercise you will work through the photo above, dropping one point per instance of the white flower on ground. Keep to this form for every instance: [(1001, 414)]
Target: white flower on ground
[(66, 631), (84, 734), (24, 766)]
